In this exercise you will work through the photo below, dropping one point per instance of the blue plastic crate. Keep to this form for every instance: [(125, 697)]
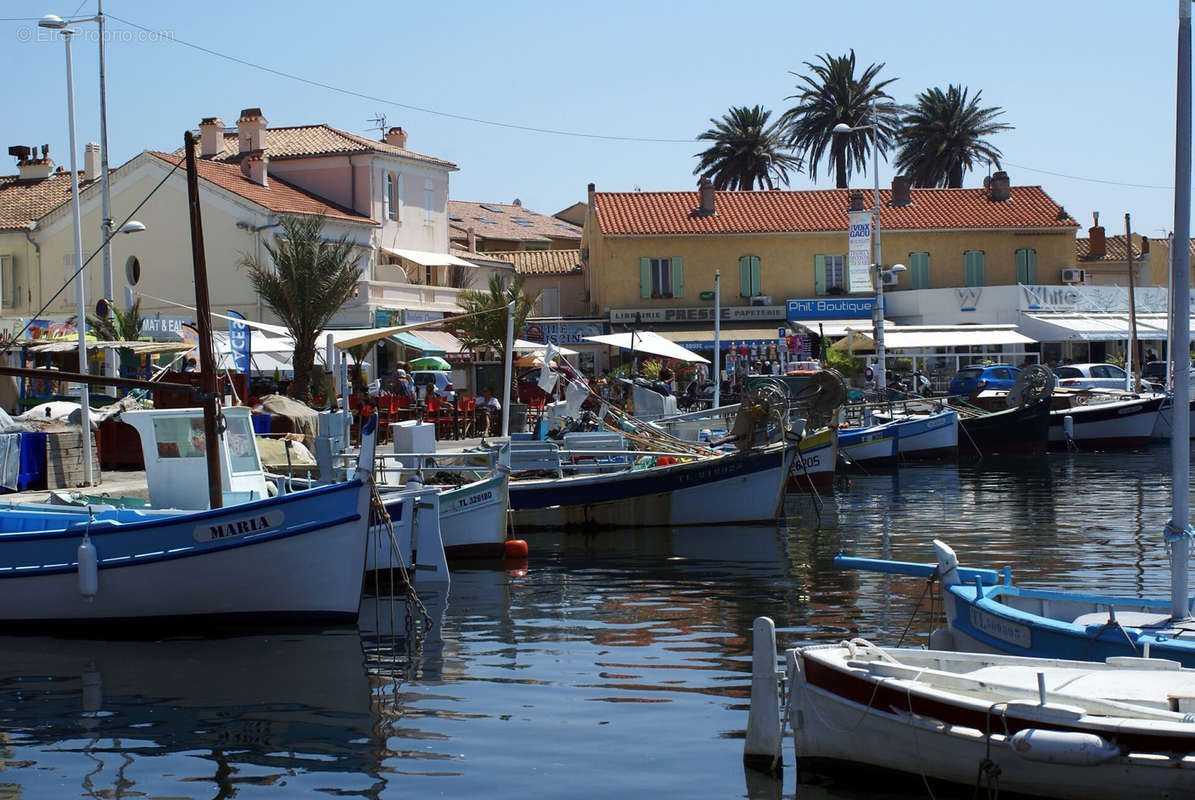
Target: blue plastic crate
[(32, 474)]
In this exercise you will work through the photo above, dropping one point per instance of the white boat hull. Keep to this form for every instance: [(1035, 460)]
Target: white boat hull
[(692, 493), (473, 518), (1124, 423)]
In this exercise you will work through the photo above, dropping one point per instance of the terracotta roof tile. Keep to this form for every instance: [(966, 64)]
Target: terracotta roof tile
[(1114, 249), (485, 258), (507, 221), (22, 201), (661, 213), (316, 140), (279, 196), (541, 262)]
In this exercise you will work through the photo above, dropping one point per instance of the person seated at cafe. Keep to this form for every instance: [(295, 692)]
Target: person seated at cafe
[(491, 410), (403, 386)]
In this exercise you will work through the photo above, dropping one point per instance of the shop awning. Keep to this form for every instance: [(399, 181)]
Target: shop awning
[(427, 258), (647, 342), (414, 342), (928, 337), (833, 328), (442, 341), (703, 338), (1063, 327), (524, 346)]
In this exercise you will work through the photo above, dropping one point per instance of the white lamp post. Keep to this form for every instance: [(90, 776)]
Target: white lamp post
[(52, 22), (877, 262)]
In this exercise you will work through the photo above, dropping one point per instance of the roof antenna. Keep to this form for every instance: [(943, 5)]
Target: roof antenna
[(379, 124)]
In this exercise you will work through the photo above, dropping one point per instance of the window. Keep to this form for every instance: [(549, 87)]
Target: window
[(549, 302), (829, 273), (749, 283), (918, 270), (132, 270), (428, 194), (973, 268), (661, 277), (1027, 266), (390, 198), (398, 197), (8, 282)]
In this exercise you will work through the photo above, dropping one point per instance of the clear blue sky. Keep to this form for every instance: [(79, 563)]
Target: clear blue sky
[(1088, 85)]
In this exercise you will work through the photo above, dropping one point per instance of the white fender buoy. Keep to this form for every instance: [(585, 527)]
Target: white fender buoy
[(1062, 747), (1068, 427), (89, 573)]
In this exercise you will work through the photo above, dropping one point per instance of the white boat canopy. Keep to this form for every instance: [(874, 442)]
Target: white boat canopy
[(524, 346), (648, 342)]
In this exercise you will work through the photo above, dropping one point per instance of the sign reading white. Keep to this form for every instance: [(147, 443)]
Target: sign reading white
[(859, 253), (227, 529)]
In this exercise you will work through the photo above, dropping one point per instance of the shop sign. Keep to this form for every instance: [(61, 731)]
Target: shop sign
[(164, 329), (634, 316), (562, 333), (411, 316), (830, 308)]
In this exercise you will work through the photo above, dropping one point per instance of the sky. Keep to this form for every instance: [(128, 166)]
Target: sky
[(1089, 86)]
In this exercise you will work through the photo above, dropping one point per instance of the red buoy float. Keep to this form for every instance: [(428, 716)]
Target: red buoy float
[(515, 548)]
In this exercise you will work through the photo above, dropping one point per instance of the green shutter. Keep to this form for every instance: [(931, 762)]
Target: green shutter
[(819, 274), (645, 277), (919, 270), (973, 267), (756, 283), (1022, 266), (678, 277), (1031, 266), (744, 276)]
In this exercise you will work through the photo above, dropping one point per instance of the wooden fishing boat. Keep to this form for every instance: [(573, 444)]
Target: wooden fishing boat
[(1019, 431), (1046, 727)]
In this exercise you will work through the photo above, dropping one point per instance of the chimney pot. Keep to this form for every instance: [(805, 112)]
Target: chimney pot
[(1000, 189), (91, 161), (1097, 246), (705, 193), (471, 238), (397, 137), (255, 166), (211, 136), (856, 203), (902, 194), (251, 130)]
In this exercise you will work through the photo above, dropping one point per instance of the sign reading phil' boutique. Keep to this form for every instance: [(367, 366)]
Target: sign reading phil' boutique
[(831, 308), (630, 316)]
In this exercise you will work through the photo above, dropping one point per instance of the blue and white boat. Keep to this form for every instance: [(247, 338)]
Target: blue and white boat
[(869, 447), (291, 558)]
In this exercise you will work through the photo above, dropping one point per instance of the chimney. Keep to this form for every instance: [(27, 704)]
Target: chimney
[(91, 161), (397, 137), (856, 201), (251, 130), (902, 191), (1000, 190), (31, 167), (705, 192), (211, 136), (255, 166), (1096, 246), (471, 239)]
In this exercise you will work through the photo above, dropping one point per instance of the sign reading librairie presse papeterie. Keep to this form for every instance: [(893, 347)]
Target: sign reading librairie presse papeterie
[(632, 316)]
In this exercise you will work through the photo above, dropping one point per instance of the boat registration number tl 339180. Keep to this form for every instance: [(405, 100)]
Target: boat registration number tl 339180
[(1000, 629)]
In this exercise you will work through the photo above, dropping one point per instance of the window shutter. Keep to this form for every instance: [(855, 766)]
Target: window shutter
[(645, 277), (398, 199), (744, 276), (1022, 266), (819, 274), (973, 267), (678, 277), (1031, 266), (756, 283)]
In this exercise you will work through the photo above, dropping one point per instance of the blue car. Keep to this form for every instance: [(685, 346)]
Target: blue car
[(969, 380)]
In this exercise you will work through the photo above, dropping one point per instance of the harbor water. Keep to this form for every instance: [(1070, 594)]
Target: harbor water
[(614, 665)]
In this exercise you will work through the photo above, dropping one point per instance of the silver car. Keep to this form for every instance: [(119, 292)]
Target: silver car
[(1094, 376)]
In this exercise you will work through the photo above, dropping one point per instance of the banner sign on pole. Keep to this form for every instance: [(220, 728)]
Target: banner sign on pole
[(239, 342), (859, 253)]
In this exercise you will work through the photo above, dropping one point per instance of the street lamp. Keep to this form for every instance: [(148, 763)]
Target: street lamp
[(55, 22), (877, 263)]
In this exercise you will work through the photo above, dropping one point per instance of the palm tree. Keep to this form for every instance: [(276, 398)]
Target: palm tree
[(311, 278), (746, 151), (943, 135), (487, 330), (829, 95), (121, 326)]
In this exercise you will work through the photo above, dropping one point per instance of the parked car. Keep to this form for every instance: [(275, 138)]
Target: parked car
[(440, 380), (1095, 376), (976, 378), (1155, 373)]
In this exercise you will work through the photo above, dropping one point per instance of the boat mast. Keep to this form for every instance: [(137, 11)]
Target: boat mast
[(208, 397), (1132, 367), (1178, 529)]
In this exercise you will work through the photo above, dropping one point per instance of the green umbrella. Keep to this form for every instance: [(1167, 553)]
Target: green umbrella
[(430, 362)]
